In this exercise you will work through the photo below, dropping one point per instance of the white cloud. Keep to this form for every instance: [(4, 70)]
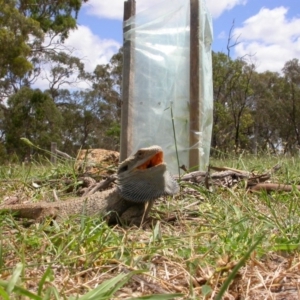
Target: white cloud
[(87, 46), (113, 9), (216, 8), (222, 35), (271, 37)]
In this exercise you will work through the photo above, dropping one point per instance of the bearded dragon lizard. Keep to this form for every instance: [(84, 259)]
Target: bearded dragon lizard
[(141, 178)]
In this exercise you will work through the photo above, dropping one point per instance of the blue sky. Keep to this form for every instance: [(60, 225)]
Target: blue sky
[(268, 30)]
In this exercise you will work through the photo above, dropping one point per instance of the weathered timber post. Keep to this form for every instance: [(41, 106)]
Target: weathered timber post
[(194, 84), (127, 85), (53, 153)]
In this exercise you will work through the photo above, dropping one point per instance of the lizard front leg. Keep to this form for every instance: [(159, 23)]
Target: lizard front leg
[(136, 214)]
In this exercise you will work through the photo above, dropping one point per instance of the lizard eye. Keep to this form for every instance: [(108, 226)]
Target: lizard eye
[(140, 153), (123, 169)]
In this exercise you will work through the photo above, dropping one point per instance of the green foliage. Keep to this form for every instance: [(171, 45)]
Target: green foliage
[(92, 117), (22, 27), (233, 101), (24, 24), (15, 29), (58, 17), (33, 115), (255, 111), (114, 130)]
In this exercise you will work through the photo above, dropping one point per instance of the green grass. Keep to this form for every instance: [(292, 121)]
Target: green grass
[(197, 246)]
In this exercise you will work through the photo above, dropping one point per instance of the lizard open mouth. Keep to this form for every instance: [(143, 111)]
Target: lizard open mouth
[(155, 160)]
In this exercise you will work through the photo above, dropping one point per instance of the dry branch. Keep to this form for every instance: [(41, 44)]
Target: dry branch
[(269, 187), (226, 176)]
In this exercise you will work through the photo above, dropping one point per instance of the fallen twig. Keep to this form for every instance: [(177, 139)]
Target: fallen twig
[(269, 187)]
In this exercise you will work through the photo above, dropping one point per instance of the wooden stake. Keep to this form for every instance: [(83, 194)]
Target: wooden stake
[(127, 85), (194, 84)]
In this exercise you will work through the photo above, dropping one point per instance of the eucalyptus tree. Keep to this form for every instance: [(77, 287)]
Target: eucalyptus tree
[(31, 114), (289, 107), (233, 102), (31, 35), (104, 98), (29, 31)]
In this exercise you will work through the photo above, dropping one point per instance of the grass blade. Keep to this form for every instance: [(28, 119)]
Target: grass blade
[(20, 291), (43, 280), (14, 278), (158, 297), (242, 261), (3, 294), (108, 287)]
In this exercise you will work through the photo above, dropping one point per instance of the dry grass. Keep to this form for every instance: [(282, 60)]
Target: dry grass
[(190, 246)]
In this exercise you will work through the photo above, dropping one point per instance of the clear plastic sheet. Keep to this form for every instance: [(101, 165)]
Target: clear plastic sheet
[(161, 38)]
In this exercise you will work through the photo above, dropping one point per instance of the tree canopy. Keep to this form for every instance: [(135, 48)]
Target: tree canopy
[(252, 111), (255, 111)]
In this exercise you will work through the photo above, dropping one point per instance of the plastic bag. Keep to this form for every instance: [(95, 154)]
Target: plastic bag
[(161, 49)]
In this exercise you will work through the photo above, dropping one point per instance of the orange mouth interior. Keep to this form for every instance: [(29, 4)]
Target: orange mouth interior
[(156, 160)]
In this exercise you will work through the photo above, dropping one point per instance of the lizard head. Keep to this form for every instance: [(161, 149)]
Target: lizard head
[(144, 176)]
